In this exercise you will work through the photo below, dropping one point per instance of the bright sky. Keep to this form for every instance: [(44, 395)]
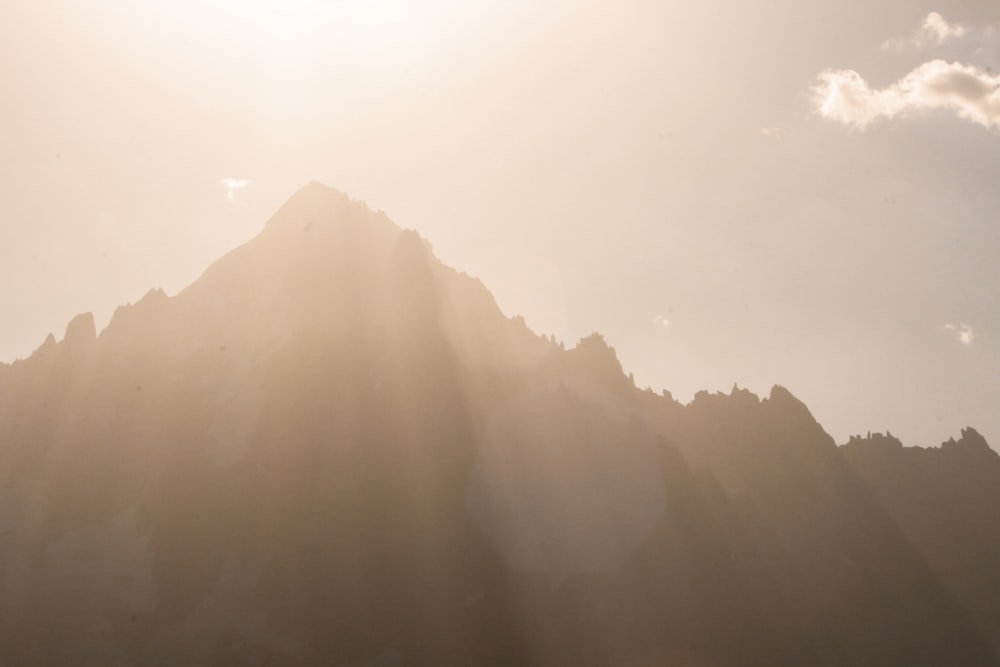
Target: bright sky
[(731, 192)]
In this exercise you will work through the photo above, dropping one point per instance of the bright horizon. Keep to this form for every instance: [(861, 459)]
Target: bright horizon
[(758, 195)]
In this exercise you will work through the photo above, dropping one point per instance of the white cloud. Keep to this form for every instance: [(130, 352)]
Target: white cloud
[(965, 90), (963, 332), (771, 132), (939, 31), (934, 31), (233, 184), (661, 322)]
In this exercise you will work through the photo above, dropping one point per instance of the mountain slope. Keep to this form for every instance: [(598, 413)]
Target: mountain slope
[(946, 501)]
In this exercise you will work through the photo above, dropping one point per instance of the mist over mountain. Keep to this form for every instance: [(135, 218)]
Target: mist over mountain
[(334, 449)]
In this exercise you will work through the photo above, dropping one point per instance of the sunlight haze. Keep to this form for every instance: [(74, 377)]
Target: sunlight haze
[(760, 193)]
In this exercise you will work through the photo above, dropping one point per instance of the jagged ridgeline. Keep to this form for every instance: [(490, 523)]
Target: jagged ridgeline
[(333, 449)]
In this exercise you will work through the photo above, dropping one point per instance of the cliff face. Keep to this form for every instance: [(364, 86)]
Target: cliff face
[(331, 448)]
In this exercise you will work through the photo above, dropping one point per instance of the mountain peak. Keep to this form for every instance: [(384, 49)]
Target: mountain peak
[(784, 400), (780, 394), (80, 330), (970, 441), (595, 357), (311, 204), (44, 349)]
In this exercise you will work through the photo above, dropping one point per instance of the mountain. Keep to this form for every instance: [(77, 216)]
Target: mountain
[(333, 449)]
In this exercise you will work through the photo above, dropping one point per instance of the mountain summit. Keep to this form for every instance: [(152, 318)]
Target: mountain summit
[(332, 448)]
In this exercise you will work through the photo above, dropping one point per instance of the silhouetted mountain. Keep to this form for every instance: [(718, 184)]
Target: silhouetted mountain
[(333, 449)]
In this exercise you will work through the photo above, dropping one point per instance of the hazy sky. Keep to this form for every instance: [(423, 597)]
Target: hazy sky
[(753, 192)]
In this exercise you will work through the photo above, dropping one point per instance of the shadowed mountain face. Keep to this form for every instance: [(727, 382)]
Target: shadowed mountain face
[(333, 449), (946, 501)]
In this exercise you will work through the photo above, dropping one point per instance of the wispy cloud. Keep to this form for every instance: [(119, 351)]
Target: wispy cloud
[(965, 90), (771, 132), (934, 31), (661, 322), (233, 184), (963, 332)]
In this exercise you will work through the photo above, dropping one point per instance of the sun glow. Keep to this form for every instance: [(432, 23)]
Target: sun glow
[(286, 26)]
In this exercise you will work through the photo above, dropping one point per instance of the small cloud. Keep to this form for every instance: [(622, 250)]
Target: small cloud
[(934, 31), (233, 184), (939, 31), (661, 322), (771, 132), (965, 90), (963, 332), (896, 44)]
